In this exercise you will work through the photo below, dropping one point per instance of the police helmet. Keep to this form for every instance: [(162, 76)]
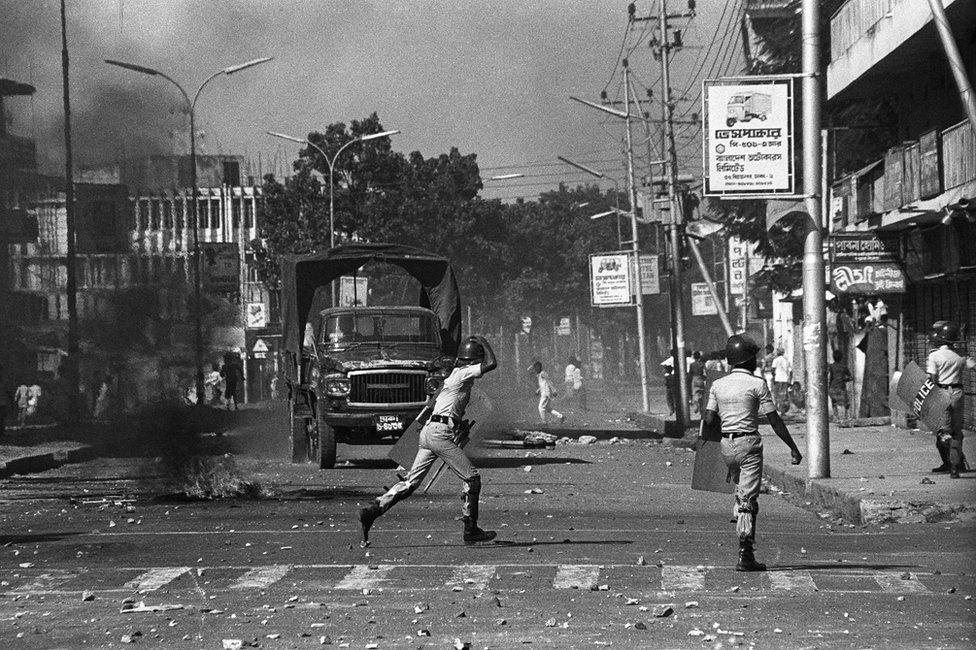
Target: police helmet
[(740, 349), (943, 332), (471, 351)]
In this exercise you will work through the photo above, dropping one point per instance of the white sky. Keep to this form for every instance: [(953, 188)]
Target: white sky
[(491, 78)]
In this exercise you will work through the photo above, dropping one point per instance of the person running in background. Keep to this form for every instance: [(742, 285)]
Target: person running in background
[(782, 376), (838, 376), (574, 384), (546, 393), (696, 371)]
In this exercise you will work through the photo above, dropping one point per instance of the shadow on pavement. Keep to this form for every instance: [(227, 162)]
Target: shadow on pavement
[(481, 462)]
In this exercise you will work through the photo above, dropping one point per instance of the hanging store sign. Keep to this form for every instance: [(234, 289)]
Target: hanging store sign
[(257, 315), (867, 278), (610, 284), (748, 137), (565, 327), (701, 300), (862, 247), (220, 264), (650, 275)]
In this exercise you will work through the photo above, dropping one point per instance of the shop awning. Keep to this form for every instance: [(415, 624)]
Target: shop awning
[(776, 211)]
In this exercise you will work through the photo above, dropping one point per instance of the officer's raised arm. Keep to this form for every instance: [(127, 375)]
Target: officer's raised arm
[(490, 363)]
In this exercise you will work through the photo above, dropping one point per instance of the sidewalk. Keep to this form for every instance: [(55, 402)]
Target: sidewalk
[(879, 481), (38, 448)]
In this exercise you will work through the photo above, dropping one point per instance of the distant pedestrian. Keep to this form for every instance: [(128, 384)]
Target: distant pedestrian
[(232, 375), (798, 399), (838, 376), (670, 387), (782, 376), (443, 416), (945, 368), (696, 372), (735, 403), (767, 365), (212, 385), (547, 393), (22, 398), (574, 384)]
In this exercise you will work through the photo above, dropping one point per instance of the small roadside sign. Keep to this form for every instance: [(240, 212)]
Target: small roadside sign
[(260, 349)]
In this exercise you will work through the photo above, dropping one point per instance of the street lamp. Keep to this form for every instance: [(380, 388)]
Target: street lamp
[(191, 107), (331, 163), (616, 193)]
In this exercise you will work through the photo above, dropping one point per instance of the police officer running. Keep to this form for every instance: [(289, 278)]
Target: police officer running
[(735, 401), (437, 440), (945, 368)]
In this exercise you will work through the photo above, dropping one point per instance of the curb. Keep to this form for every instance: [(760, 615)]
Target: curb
[(858, 511), (40, 462), (811, 494)]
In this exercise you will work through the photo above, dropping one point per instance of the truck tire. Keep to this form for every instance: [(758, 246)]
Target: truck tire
[(327, 444)]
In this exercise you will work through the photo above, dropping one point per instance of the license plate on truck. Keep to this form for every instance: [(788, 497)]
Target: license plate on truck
[(389, 424)]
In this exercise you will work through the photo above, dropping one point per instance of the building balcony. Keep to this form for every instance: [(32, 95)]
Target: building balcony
[(874, 42), (912, 185)]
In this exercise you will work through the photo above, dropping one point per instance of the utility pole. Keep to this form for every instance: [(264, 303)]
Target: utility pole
[(635, 245), (955, 61), (814, 314), (72, 361), (677, 222)]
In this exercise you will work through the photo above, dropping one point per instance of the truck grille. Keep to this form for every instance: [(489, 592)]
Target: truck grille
[(386, 388)]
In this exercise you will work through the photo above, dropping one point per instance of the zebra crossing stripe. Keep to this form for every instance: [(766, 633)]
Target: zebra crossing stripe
[(576, 576), (682, 578), (153, 579), (49, 581), (472, 576), (261, 577), (895, 583), (364, 576), (792, 581)]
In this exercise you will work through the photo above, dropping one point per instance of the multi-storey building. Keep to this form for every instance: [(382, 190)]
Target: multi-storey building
[(140, 237), (916, 182)]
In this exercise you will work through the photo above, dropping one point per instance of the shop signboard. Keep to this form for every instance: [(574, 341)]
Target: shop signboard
[(564, 328), (257, 315), (610, 284), (862, 247), (650, 276), (220, 266), (748, 137), (867, 278), (701, 300)]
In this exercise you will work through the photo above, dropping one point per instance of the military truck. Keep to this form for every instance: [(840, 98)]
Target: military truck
[(361, 374)]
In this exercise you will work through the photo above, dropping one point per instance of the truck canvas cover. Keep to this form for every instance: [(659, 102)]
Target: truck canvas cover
[(303, 275)]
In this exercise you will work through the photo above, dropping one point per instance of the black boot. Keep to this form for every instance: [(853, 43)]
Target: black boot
[(367, 516), (473, 534), (747, 559), (943, 449)]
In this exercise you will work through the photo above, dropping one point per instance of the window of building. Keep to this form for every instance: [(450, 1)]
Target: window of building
[(235, 212), (215, 220), (232, 173), (143, 215), (178, 222), (154, 215), (167, 214), (248, 213)]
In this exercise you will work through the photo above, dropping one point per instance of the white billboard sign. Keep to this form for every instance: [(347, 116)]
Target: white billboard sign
[(701, 300), (743, 264), (748, 137), (610, 284), (650, 278)]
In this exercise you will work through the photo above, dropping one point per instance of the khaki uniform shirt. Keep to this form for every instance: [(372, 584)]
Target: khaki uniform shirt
[(739, 398), (946, 365), (454, 396)]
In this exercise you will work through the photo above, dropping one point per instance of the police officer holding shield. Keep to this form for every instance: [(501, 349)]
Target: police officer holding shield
[(735, 402), (945, 368)]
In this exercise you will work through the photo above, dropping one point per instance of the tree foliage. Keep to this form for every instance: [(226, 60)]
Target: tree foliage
[(511, 259)]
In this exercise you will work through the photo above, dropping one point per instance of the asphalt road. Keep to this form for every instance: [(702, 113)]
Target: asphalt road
[(601, 545)]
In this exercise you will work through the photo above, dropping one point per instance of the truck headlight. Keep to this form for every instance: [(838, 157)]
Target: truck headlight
[(337, 387)]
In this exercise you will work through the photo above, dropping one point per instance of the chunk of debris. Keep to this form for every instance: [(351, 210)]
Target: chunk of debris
[(640, 626), (551, 622), (586, 440), (87, 596), (141, 606), (663, 611), (232, 644), (461, 645), (691, 604)]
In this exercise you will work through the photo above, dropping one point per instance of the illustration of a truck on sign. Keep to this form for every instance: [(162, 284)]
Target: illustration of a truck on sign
[(744, 107)]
